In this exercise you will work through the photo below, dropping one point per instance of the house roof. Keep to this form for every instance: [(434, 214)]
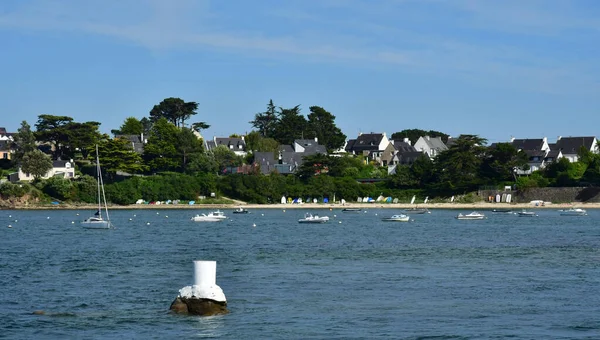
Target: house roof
[(310, 146), (59, 163), (528, 144), (535, 153), (403, 147), (286, 148), (571, 145), (290, 161), (136, 142), (435, 143), (553, 153), (236, 142), (407, 157), (350, 145), (367, 141)]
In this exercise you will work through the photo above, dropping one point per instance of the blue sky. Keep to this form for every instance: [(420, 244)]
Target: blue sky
[(522, 68)]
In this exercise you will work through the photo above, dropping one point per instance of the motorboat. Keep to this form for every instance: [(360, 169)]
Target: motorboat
[(240, 210), (470, 216), (397, 218), (417, 211), (352, 210), (213, 216), (526, 213), (310, 218), (573, 212), (502, 211)]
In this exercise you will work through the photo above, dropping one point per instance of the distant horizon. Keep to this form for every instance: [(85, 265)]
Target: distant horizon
[(492, 68)]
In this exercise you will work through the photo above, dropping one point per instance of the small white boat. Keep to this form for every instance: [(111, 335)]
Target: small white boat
[(573, 212), (526, 213), (397, 218), (213, 216), (471, 216), (310, 218), (96, 222)]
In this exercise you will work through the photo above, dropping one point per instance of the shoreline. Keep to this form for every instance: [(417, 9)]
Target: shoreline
[(472, 206)]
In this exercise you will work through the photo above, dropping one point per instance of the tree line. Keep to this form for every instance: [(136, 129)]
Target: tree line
[(176, 165)]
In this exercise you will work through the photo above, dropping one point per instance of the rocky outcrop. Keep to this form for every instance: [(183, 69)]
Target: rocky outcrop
[(198, 306)]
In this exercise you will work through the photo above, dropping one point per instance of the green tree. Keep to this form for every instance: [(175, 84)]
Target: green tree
[(146, 125), (160, 153), (501, 161), (224, 158), (24, 142), (458, 168), (322, 124), (203, 163), (36, 163), (414, 134), (403, 178), (131, 126), (255, 142), (80, 136), (291, 126), (52, 129), (188, 146), (116, 155), (59, 188), (175, 110), (422, 170), (265, 122), (199, 126)]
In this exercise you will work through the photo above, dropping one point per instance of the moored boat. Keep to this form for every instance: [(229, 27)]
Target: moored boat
[(241, 210), (526, 213), (502, 211), (397, 218), (97, 221), (352, 210), (471, 216), (573, 212), (213, 216), (310, 218)]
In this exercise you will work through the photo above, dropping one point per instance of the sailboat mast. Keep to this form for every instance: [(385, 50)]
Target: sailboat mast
[(98, 179), (101, 184)]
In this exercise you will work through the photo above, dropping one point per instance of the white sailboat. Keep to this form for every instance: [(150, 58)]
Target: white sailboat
[(98, 221)]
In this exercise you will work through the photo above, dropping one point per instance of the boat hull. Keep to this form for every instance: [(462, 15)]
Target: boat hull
[(96, 225), (312, 221)]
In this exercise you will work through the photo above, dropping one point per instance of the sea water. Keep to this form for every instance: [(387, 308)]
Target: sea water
[(354, 277)]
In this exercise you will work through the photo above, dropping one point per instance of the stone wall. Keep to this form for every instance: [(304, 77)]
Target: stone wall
[(559, 195)]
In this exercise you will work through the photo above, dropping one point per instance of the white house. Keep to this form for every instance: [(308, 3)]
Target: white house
[(570, 146), (432, 146), (235, 144), (537, 151), (63, 169)]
